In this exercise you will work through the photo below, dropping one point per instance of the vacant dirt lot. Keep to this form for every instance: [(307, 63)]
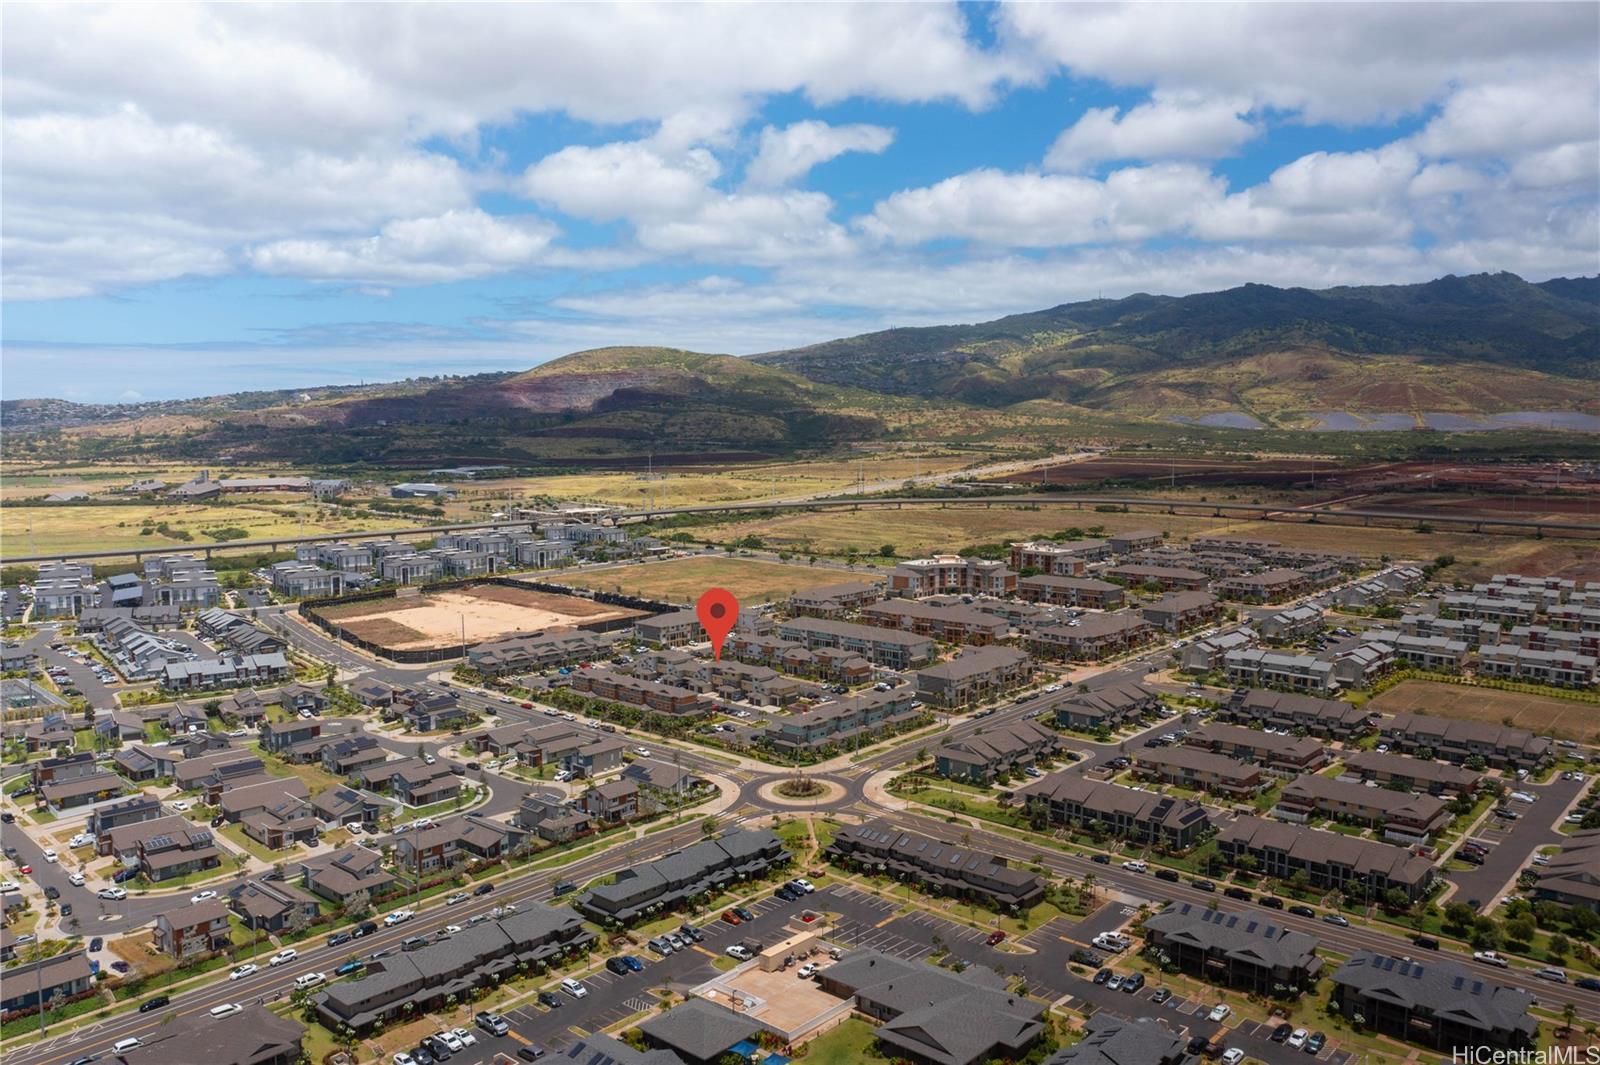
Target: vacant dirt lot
[(486, 611), (1562, 718)]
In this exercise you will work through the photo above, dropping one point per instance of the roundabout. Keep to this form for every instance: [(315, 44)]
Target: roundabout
[(802, 791)]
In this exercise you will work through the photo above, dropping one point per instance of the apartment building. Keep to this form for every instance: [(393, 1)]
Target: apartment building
[(1330, 860), (1500, 610), (671, 629), (1259, 667), (1148, 817), (1268, 586), (1167, 578), (1559, 668), (1292, 625), (1071, 592), (48, 981), (1572, 877), (1288, 711), (189, 931), (937, 866), (1058, 558), (1204, 656), (305, 580), (1182, 611), (1189, 767), (943, 574), (1434, 1002), (948, 624), (1413, 774), (1456, 741), (62, 590), (974, 676), (1282, 754), (1544, 638), (1252, 953), (667, 883), (344, 557), (1111, 707), (1091, 638), (230, 672), (1135, 540), (541, 554), (1575, 617), (622, 688), (882, 647), (850, 720), (836, 600), (1005, 748), (1436, 653), (1473, 633), (1406, 819), (1360, 666)]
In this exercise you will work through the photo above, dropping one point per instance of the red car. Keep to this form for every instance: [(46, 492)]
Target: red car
[(995, 937), (26, 869), (527, 706), (731, 917)]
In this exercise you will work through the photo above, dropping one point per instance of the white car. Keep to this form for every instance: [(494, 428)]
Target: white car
[(203, 896), (448, 1038), (49, 856), (803, 884), (563, 775), (642, 752), (1135, 866), (460, 896), (226, 1009), (122, 1046), (284, 956), (1232, 1056), (1298, 1037), (1219, 1013), (115, 894), (449, 930), (807, 971), (181, 805), (398, 917), (82, 839), (739, 952), (244, 970), (1111, 941), (306, 981), (9, 885), (1524, 796), (403, 1058), (574, 988), (75, 879), (1489, 957), (466, 1036)]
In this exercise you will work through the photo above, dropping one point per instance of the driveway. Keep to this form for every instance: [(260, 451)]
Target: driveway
[(1515, 846)]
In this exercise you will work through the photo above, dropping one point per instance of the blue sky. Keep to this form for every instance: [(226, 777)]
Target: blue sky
[(208, 199)]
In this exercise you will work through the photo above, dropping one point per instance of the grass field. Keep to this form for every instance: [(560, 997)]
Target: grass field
[(92, 527), (682, 580), (1540, 714)]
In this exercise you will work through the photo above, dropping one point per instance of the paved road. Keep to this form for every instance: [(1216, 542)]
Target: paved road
[(1514, 845)]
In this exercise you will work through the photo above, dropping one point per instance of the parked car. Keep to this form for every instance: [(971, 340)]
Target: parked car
[(1204, 885), (1282, 1033), (1315, 1043), (1337, 918), (744, 913), (530, 1052), (1160, 995), (996, 937), (1271, 902), (731, 917), (739, 952), (493, 1023), (1132, 983), (549, 999), (617, 965), (154, 1003), (1219, 1013)]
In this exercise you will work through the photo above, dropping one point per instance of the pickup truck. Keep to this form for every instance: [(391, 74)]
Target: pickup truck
[(1489, 957)]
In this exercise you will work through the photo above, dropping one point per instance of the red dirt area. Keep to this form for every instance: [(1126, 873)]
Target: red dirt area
[(1192, 471)]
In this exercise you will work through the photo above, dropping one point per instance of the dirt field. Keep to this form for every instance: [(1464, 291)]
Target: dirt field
[(487, 611), (1563, 718), (683, 580)]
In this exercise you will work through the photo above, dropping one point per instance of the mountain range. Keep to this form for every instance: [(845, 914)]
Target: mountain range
[(1466, 345)]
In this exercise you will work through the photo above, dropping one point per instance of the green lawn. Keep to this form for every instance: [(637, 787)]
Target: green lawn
[(844, 1045), (236, 836)]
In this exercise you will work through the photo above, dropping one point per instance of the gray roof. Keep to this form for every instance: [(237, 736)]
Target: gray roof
[(1257, 939), (1450, 991), (600, 1049), (256, 1035), (699, 1028), (1115, 1041)]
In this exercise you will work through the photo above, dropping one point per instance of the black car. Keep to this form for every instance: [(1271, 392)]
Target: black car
[(1429, 943), (1282, 1032), (8, 818), (1204, 885), (1271, 902), (1170, 875), (421, 1056), (51, 891), (1238, 893), (1132, 983), (154, 1004), (366, 928), (1302, 911), (786, 893), (485, 889), (531, 1052), (436, 1047), (96, 944), (743, 914), (218, 821), (1588, 983), (125, 875), (1101, 859), (1086, 957), (85, 1060), (1102, 976), (1197, 1045), (689, 931), (550, 998), (617, 965), (66, 909)]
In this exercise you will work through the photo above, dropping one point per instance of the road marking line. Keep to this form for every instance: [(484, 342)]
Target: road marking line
[(887, 920)]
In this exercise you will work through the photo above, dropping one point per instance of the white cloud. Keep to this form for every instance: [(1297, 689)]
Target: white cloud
[(1183, 126), (791, 152), (447, 247), (1507, 118), (623, 180)]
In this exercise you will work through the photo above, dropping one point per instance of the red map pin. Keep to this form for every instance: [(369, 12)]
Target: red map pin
[(718, 610)]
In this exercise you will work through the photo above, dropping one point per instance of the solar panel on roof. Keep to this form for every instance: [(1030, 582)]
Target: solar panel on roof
[(1477, 987)]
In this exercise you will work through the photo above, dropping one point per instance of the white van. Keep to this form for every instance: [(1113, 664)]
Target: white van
[(122, 1046)]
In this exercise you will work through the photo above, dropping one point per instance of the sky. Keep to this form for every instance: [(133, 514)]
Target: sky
[(206, 199)]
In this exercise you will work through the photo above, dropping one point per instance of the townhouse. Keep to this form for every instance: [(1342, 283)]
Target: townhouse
[(418, 981), (350, 877), (1111, 707), (882, 647), (45, 982), (1572, 877), (256, 1036), (1259, 667), (1330, 860), (1544, 638), (1407, 819), (620, 687), (460, 839), (1436, 653), (1364, 595), (1166, 578), (1068, 798), (344, 557), (228, 672), (1268, 586), (541, 554), (1562, 669), (62, 590), (613, 802), (1435, 1002), (1473, 633), (302, 580), (975, 675), (1290, 711), (140, 808), (1252, 953), (1005, 748), (1360, 666), (1111, 1040), (944, 574), (1182, 611), (1206, 655), (850, 720), (1126, 543), (1292, 625), (1071, 592), (1091, 638), (409, 567), (1198, 770), (936, 866), (540, 650), (948, 624), (1281, 754), (1413, 774), (1456, 741), (670, 630), (189, 931), (666, 883), (1501, 611), (1575, 617), (550, 818), (236, 632), (162, 848), (836, 600)]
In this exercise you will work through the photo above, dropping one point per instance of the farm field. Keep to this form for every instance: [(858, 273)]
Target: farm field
[(479, 612), (682, 580), (1542, 715), (88, 527)]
